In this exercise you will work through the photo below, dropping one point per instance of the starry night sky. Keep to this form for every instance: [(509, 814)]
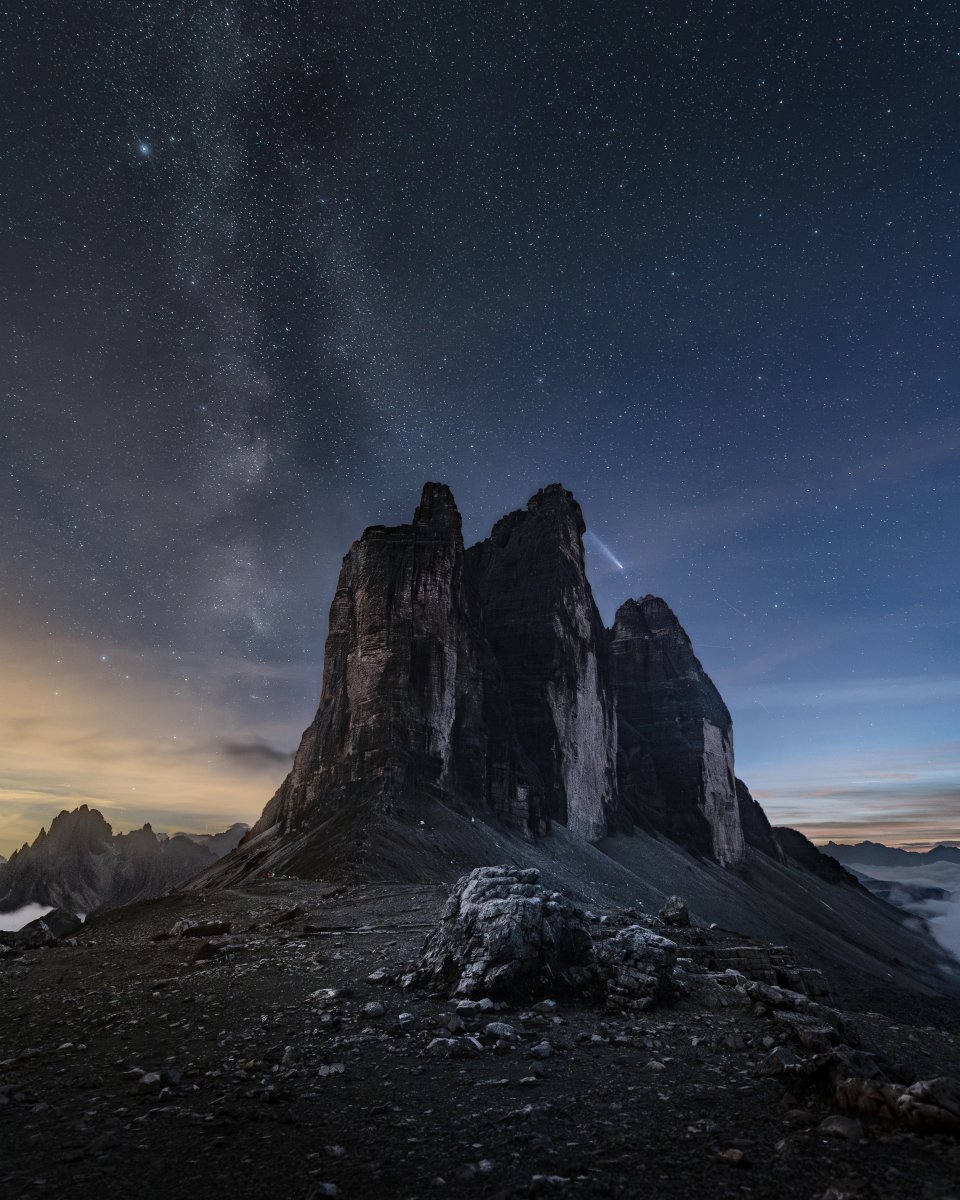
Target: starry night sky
[(269, 266)]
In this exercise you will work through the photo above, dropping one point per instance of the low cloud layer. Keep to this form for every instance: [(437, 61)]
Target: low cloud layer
[(258, 755), (942, 915)]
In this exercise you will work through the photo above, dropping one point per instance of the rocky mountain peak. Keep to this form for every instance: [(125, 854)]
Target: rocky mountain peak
[(553, 513), (554, 499), (81, 865), (650, 617), (84, 826), (484, 680), (437, 509), (675, 757)]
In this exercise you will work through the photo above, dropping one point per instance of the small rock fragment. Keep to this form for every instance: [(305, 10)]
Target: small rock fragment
[(844, 1127), (675, 912)]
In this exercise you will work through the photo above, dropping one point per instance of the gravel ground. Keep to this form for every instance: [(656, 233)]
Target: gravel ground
[(279, 1069)]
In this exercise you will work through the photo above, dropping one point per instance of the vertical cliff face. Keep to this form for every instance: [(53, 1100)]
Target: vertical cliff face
[(479, 679), (757, 830), (675, 761), (382, 734), (546, 635), (486, 680)]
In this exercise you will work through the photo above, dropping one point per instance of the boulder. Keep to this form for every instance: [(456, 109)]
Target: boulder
[(503, 934), (638, 969), (200, 929), (675, 912), (932, 1105), (929, 1106), (46, 930)]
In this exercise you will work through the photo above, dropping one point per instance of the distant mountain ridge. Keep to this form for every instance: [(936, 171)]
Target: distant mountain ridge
[(876, 854), (81, 865), (217, 843)]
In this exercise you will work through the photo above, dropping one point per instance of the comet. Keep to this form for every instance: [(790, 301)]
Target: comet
[(606, 551)]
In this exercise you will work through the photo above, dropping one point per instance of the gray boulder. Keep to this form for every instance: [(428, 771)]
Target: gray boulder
[(638, 967), (502, 934), (46, 930), (932, 1104), (675, 912)]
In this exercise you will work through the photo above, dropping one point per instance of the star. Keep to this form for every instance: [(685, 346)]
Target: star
[(214, 409)]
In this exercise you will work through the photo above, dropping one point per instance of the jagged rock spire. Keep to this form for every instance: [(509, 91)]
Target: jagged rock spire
[(484, 679), (675, 759), (437, 509), (545, 631)]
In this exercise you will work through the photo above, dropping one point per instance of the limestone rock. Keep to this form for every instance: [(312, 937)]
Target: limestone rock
[(757, 830), (932, 1105), (478, 679), (675, 735), (675, 912), (638, 966), (547, 636), (186, 928), (381, 736), (483, 681), (843, 1127), (929, 1106), (502, 934)]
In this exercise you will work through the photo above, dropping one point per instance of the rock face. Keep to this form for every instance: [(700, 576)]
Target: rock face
[(675, 759), (82, 866), (484, 680), (478, 678), (502, 934), (382, 734), (546, 634), (757, 830), (799, 851)]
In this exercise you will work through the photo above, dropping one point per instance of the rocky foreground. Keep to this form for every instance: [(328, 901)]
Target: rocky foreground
[(289, 1040)]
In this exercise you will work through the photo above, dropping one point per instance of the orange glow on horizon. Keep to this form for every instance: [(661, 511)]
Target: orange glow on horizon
[(112, 732)]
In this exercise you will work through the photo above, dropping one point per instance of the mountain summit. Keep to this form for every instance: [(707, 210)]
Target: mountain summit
[(483, 680)]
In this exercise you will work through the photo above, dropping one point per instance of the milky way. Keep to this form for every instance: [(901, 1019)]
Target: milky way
[(268, 266)]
